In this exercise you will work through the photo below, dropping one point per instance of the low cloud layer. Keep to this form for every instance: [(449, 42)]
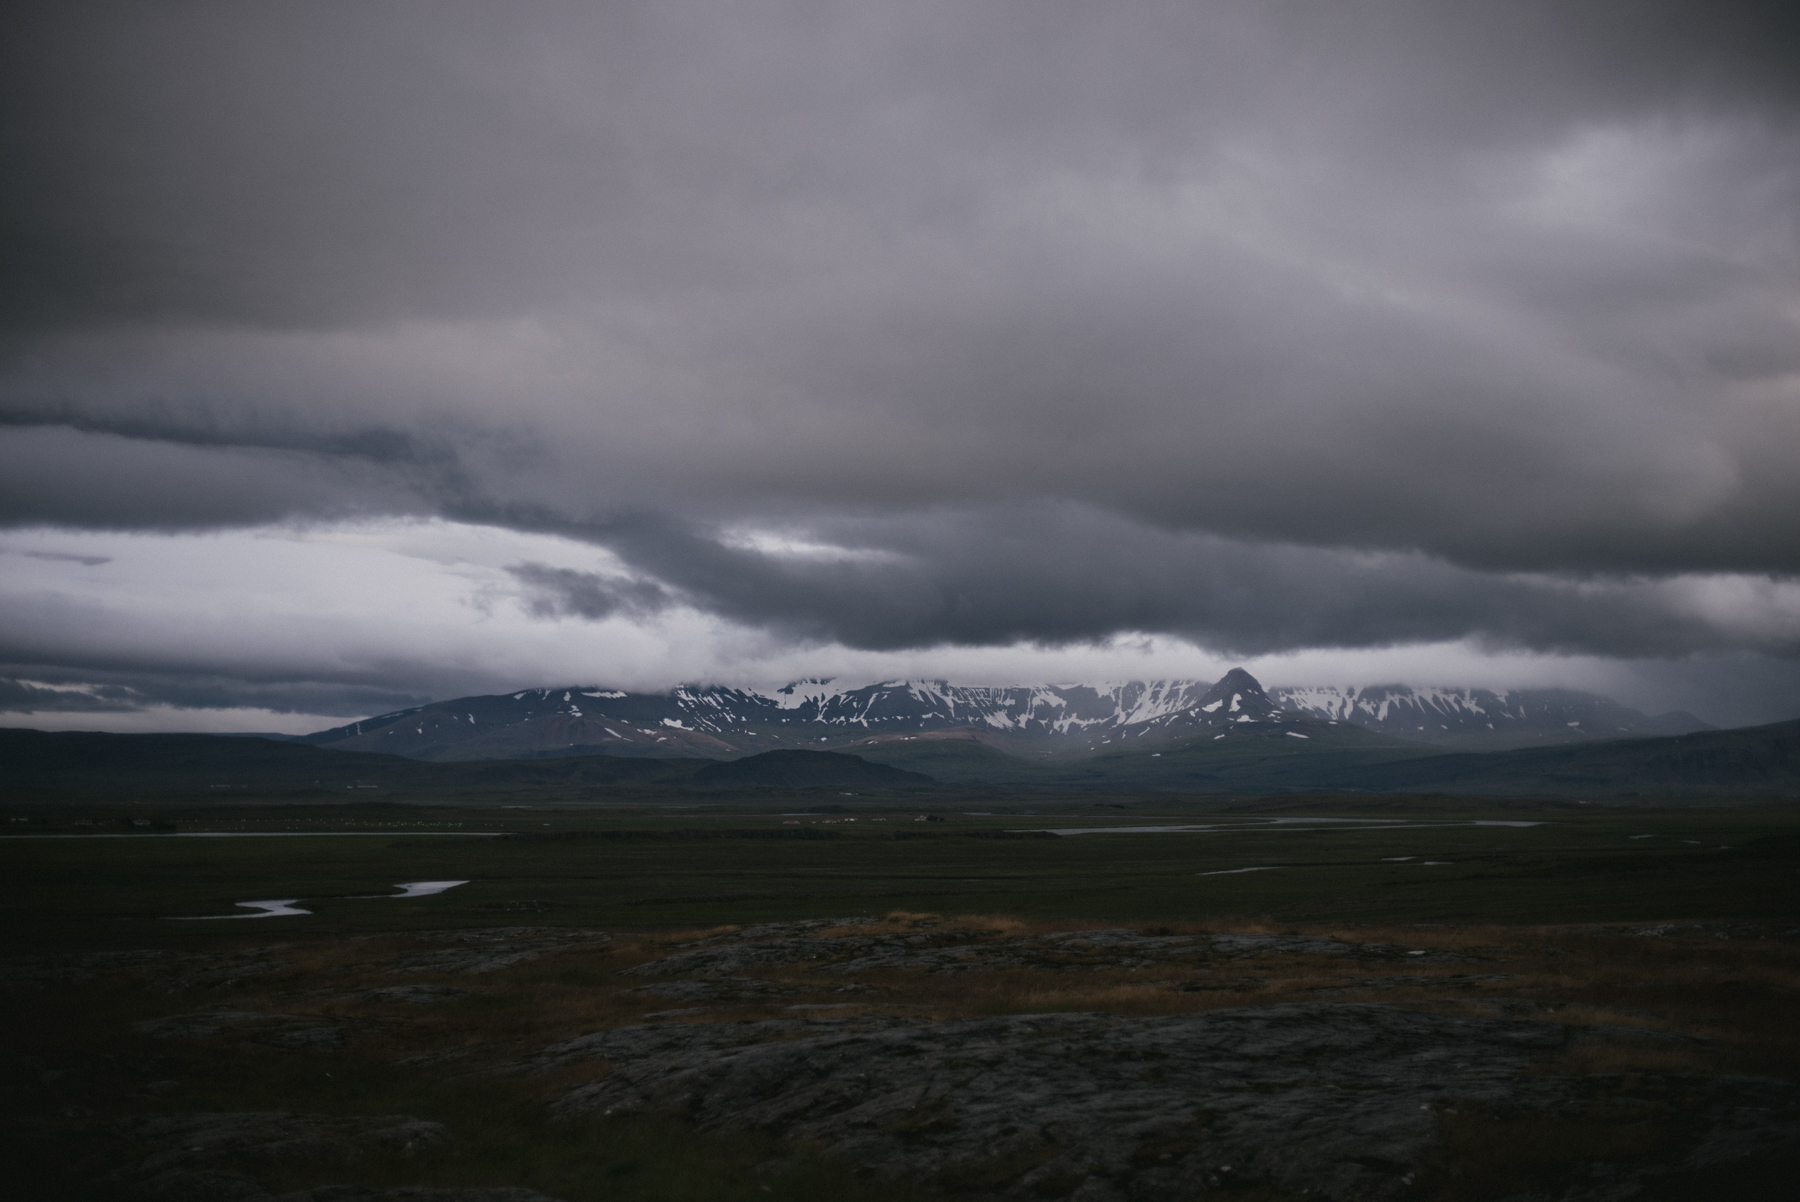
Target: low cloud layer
[(1059, 574), (1264, 329)]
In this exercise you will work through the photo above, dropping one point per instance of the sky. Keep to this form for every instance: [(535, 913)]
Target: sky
[(354, 355)]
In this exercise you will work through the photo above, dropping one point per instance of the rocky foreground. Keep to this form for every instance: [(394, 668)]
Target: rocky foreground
[(1345, 1101), (1342, 1101), (964, 1060), (203, 1157)]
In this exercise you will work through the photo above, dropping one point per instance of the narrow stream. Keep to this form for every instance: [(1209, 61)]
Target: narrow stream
[(286, 907), (268, 909), (425, 888)]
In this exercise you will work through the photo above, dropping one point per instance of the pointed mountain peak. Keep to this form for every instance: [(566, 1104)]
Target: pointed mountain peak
[(1237, 697), (1241, 681)]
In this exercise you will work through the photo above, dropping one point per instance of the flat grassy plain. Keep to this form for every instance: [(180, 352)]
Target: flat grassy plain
[(1560, 909), (650, 869)]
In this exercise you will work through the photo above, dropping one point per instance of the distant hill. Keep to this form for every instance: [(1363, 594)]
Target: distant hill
[(793, 769), (1251, 747), (91, 762), (965, 756), (88, 761), (1753, 761)]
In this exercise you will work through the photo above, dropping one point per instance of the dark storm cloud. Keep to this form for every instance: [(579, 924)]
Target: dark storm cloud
[(350, 163), (68, 653), (56, 475), (86, 561), (24, 697), (154, 420), (1735, 689), (201, 464), (563, 592), (1059, 574), (60, 689), (1268, 325)]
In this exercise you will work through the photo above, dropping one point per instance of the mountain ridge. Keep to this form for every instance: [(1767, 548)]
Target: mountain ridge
[(1232, 737), (719, 722), (1485, 719)]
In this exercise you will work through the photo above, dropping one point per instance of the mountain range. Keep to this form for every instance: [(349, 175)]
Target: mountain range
[(1229, 737), (1030, 721)]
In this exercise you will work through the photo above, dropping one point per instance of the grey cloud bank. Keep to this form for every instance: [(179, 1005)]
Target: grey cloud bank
[(1060, 574), (1262, 327)]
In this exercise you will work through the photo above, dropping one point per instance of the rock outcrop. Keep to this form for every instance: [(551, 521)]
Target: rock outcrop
[(1340, 1101)]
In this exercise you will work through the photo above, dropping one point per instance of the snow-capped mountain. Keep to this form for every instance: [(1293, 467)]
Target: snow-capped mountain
[(1483, 718), (1050, 711), (723, 723)]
